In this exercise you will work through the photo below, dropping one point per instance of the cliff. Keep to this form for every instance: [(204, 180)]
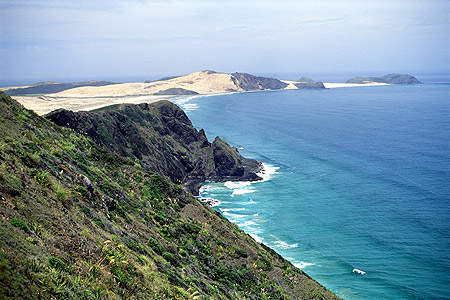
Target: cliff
[(78, 221), (393, 78), (162, 139)]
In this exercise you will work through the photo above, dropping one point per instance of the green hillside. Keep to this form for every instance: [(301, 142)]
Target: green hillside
[(78, 221)]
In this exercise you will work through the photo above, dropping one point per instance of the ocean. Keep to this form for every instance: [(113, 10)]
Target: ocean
[(356, 178)]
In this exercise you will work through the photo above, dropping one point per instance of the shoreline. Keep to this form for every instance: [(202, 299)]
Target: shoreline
[(44, 104), (332, 85)]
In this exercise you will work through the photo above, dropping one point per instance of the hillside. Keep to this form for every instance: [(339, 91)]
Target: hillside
[(393, 78), (80, 222), (162, 139), (51, 87)]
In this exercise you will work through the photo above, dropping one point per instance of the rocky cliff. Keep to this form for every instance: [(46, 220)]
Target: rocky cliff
[(162, 139)]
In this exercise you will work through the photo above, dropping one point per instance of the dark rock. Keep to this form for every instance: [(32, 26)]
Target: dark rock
[(311, 86), (250, 82)]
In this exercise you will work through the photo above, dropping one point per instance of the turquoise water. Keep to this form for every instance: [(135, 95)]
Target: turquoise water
[(356, 178)]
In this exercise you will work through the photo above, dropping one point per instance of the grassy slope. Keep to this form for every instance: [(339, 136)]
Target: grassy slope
[(77, 222)]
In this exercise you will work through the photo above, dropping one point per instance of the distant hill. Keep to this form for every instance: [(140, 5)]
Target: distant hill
[(50, 87), (308, 83), (393, 78)]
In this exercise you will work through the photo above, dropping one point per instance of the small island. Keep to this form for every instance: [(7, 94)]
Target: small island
[(394, 78), (308, 83)]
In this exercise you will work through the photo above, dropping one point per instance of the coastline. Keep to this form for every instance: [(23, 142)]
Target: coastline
[(44, 104)]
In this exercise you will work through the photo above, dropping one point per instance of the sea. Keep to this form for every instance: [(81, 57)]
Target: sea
[(355, 178)]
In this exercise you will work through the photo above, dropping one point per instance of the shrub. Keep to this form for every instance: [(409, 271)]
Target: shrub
[(19, 224), (155, 246), (264, 264), (56, 263)]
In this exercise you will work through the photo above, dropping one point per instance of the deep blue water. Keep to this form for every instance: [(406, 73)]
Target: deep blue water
[(357, 178)]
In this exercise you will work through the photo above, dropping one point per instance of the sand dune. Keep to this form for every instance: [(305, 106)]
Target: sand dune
[(202, 82)]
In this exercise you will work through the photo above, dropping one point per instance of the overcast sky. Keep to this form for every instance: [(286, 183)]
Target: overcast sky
[(49, 40)]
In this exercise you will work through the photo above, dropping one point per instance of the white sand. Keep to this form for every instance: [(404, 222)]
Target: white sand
[(331, 85), (45, 104), (291, 85)]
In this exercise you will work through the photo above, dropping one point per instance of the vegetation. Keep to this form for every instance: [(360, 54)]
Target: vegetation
[(79, 222)]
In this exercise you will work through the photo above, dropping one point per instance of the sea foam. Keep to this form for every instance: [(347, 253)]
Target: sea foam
[(284, 245)]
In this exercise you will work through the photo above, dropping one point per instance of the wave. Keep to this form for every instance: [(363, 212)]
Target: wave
[(256, 238), (242, 192), (267, 172), (189, 106), (284, 245), (237, 184), (232, 209), (234, 216), (210, 201), (303, 264)]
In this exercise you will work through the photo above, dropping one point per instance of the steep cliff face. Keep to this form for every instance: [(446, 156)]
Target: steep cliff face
[(161, 137), (81, 222)]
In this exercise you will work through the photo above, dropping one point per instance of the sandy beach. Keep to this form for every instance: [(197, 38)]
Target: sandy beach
[(331, 85), (45, 104)]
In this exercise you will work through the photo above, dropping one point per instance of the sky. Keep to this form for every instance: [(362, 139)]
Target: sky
[(99, 39)]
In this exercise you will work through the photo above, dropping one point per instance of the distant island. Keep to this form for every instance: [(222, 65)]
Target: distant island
[(308, 83), (394, 78)]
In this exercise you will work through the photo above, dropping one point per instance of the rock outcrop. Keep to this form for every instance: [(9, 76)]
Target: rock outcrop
[(161, 137), (308, 83)]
